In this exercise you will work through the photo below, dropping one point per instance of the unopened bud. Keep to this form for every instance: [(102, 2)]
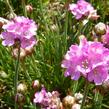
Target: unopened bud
[(85, 21), (61, 106), (19, 98), (35, 84), (22, 53), (81, 37), (3, 21), (100, 29), (22, 88), (11, 16), (3, 74), (106, 84), (29, 50), (54, 27), (79, 97), (29, 8), (93, 15), (68, 101), (76, 106)]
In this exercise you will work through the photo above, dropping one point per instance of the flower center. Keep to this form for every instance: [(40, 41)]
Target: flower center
[(85, 64), (95, 71)]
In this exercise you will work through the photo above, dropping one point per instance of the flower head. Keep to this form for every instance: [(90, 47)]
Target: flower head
[(69, 101), (83, 8), (39, 96), (100, 29), (20, 28), (89, 59), (48, 100), (105, 37)]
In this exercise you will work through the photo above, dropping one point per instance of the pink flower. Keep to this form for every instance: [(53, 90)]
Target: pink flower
[(28, 43), (83, 8), (20, 28), (8, 38), (89, 59), (47, 100), (39, 96), (105, 37), (98, 74)]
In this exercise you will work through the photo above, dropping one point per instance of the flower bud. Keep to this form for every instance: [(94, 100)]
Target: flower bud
[(100, 29), (93, 15), (61, 106), (29, 50), (3, 21), (54, 27), (29, 8), (35, 84), (3, 74), (68, 101), (79, 97), (21, 88), (11, 15), (22, 53), (19, 98), (1, 24), (81, 37), (76, 106), (105, 84), (85, 21)]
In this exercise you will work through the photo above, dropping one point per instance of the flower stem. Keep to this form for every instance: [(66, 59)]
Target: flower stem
[(85, 94), (75, 86), (16, 74), (24, 8), (97, 99), (9, 6), (26, 72)]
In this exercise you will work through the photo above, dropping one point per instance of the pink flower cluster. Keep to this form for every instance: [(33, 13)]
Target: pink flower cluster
[(88, 59), (83, 9), (19, 29), (105, 37), (47, 100)]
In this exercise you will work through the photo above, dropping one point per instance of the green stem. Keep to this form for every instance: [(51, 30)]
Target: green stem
[(98, 99), (66, 28), (79, 32), (10, 7), (24, 8), (43, 15), (75, 86), (16, 74), (26, 72), (85, 94)]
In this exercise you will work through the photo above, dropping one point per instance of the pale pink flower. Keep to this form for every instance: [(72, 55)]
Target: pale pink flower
[(21, 29), (83, 9), (105, 37), (47, 100), (89, 59)]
